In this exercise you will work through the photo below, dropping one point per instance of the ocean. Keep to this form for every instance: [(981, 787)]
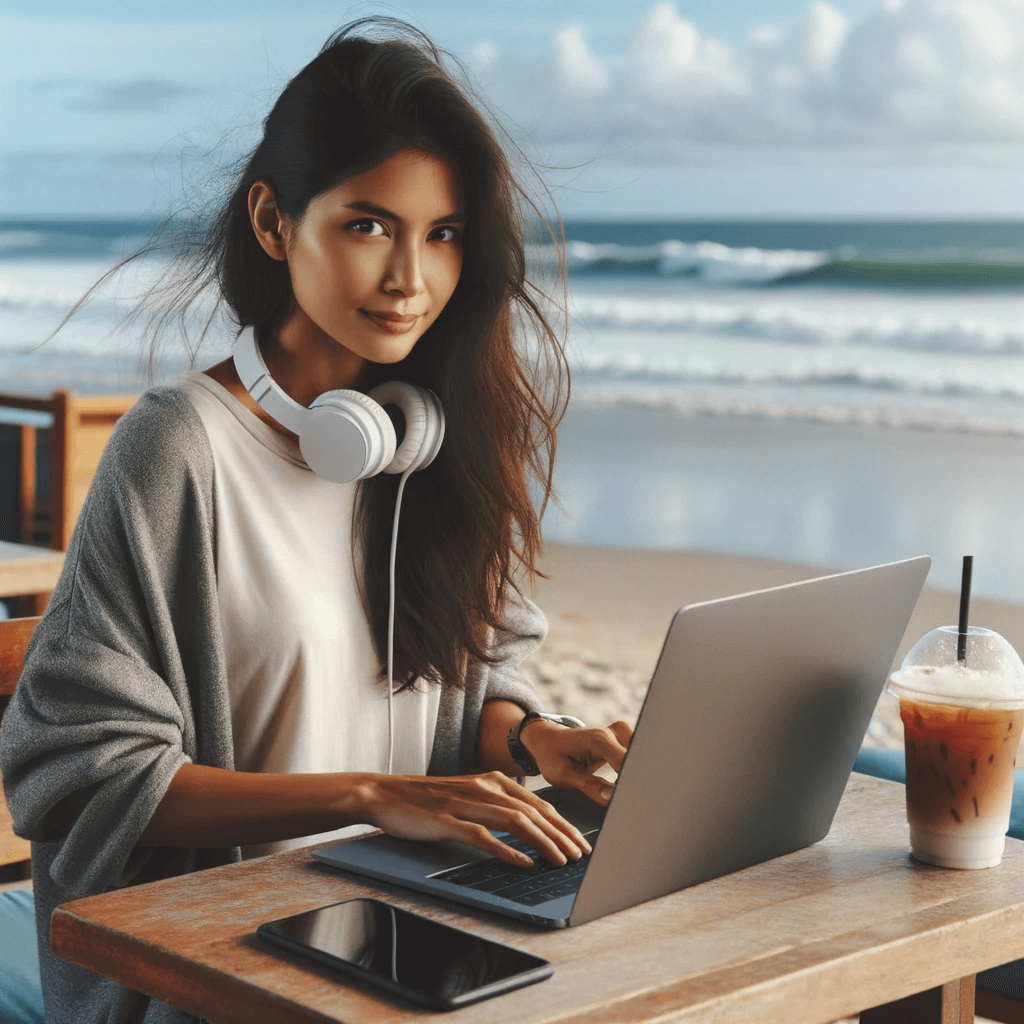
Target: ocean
[(840, 367)]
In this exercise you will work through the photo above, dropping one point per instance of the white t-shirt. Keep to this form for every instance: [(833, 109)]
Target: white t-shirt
[(303, 676)]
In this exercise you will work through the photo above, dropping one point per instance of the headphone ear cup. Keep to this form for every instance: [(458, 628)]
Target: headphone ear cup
[(346, 436), (424, 424)]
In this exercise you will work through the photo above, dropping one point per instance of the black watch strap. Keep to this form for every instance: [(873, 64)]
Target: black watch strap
[(515, 745)]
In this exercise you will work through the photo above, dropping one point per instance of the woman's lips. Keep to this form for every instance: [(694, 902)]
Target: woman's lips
[(392, 323)]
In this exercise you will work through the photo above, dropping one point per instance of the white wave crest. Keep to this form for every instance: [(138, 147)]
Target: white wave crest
[(807, 325), (708, 262), (643, 373), (900, 418), (34, 296), (22, 239), (715, 263)]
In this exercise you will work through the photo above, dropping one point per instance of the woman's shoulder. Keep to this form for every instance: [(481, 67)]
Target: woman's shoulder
[(160, 432), (162, 421), (163, 410)]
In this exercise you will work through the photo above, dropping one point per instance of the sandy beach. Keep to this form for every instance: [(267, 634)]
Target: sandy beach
[(609, 609)]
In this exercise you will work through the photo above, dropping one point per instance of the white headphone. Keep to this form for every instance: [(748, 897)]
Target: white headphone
[(346, 435)]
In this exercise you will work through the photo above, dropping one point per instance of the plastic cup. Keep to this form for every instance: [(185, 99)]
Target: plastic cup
[(961, 724)]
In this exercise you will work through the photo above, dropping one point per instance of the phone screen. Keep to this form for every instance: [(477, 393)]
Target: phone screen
[(430, 963)]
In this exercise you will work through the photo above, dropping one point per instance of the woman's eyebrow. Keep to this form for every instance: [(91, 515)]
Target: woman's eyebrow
[(379, 211)]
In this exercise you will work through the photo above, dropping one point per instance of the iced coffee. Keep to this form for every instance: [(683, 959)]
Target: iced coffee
[(962, 726)]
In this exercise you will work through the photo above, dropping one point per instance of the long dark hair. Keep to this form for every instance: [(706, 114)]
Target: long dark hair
[(470, 530)]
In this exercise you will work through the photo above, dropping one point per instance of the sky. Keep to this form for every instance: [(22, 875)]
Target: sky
[(655, 110)]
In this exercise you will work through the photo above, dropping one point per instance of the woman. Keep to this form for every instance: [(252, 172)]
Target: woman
[(208, 675)]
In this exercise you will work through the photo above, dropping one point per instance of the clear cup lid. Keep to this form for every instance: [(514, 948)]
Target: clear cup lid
[(992, 675)]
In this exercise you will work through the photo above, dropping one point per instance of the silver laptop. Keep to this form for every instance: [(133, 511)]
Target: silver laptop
[(746, 739)]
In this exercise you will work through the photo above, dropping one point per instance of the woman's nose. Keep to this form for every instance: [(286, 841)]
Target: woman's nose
[(404, 273)]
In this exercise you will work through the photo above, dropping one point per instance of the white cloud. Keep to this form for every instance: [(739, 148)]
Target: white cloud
[(987, 31), (580, 73), (825, 32), (669, 56), (918, 55), (765, 35), (483, 55), (910, 73)]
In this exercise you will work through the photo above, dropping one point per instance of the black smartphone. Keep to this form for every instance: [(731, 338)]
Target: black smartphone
[(424, 961)]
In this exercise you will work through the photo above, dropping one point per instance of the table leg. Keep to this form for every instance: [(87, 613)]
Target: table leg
[(952, 1003)]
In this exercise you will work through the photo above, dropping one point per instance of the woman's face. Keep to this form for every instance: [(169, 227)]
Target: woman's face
[(374, 260)]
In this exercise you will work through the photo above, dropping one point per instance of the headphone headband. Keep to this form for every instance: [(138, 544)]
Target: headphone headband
[(345, 435), (266, 392)]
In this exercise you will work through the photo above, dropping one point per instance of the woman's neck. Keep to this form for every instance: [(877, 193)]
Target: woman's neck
[(303, 360), (306, 362)]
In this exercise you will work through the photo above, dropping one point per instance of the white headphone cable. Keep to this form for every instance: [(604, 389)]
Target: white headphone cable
[(391, 619)]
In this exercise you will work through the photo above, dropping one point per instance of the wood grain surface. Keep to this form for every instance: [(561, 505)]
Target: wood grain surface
[(849, 923), (14, 637), (28, 570)]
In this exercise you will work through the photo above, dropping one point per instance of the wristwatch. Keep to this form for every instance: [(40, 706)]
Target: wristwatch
[(515, 745)]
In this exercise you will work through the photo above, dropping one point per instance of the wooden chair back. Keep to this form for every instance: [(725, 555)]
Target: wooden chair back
[(44, 506), (82, 425), (14, 637)]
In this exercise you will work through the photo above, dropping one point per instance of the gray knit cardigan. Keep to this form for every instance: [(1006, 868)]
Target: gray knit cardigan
[(125, 682)]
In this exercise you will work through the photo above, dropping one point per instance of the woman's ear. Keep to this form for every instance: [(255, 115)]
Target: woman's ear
[(267, 220)]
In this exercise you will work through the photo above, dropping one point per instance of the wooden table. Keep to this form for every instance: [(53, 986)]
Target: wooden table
[(817, 935), (28, 571)]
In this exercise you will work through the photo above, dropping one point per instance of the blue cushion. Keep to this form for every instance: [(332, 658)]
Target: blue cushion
[(882, 764), (21, 996), (1007, 980)]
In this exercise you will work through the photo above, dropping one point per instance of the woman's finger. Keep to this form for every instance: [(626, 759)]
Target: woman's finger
[(623, 732), (597, 745), (419, 808), (527, 823), (481, 837), (572, 775), (566, 836), (550, 814), (544, 813)]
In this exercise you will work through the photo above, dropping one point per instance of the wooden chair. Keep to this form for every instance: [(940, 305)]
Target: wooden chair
[(14, 638), (21, 997), (82, 425), (45, 505)]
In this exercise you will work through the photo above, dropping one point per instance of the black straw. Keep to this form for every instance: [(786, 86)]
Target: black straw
[(965, 606)]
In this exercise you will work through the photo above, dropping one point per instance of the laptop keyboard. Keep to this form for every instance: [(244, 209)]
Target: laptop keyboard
[(530, 886)]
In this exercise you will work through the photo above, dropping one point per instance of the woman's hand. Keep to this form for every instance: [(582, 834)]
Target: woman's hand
[(568, 758), (465, 807), (207, 807)]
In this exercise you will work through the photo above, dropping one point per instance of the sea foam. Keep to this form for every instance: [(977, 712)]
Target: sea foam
[(802, 322), (710, 262)]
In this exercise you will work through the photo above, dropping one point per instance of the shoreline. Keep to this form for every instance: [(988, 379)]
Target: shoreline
[(608, 611), (842, 495)]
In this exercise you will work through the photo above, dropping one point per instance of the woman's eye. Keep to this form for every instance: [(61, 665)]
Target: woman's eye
[(367, 227), (447, 234)]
